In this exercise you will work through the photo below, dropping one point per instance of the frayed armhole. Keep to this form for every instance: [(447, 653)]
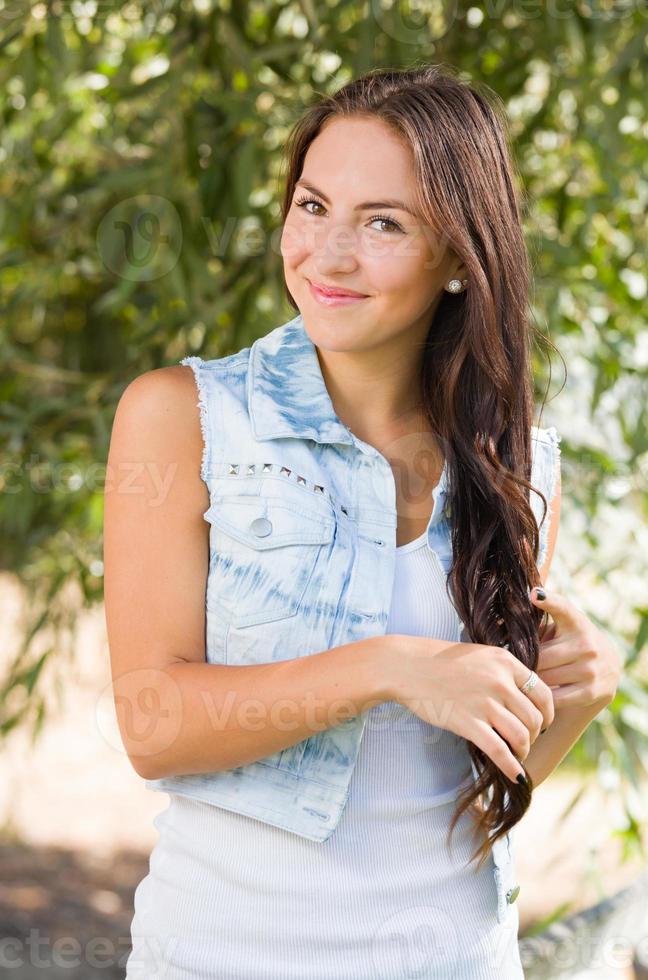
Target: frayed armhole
[(195, 363), (549, 490)]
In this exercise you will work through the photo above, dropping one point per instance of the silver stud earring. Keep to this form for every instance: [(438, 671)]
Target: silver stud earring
[(456, 285)]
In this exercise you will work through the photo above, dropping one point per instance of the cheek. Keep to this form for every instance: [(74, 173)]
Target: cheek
[(293, 246), (400, 272)]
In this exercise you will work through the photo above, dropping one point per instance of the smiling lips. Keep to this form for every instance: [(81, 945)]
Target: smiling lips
[(330, 297)]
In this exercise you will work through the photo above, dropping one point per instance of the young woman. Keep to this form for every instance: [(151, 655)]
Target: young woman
[(323, 640)]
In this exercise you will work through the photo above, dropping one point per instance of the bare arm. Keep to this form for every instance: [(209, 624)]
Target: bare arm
[(177, 713), (217, 716)]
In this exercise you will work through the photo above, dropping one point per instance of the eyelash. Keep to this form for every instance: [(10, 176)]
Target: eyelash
[(377, 217)]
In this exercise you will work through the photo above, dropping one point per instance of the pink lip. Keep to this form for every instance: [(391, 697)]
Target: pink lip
[(333, 298)]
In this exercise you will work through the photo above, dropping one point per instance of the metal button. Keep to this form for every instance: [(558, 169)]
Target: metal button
[(261, 526), (512, 894)]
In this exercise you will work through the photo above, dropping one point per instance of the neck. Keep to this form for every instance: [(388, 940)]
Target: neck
[(371, 392)]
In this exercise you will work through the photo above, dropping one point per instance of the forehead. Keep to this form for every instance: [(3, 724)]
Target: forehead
[(360, 155)]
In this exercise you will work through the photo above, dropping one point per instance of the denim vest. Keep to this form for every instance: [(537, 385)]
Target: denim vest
[(302, 521)]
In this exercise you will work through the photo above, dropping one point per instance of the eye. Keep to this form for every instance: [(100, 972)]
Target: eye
[(308, 200), (303, 201), (389, 221)]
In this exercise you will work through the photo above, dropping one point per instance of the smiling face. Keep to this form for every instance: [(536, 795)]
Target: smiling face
[(356, 227)]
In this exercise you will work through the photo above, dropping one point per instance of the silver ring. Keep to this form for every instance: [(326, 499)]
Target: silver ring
[(530, 683)]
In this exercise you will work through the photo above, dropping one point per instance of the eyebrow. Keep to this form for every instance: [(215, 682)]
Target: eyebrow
[(366, 205)]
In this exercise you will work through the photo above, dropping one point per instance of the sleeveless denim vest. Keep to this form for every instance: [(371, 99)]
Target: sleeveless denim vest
[(302, 519)]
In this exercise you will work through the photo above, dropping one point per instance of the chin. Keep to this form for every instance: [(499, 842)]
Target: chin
[(334, 337)]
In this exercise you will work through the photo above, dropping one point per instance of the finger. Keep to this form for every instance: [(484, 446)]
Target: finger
[(548, 633), (557, 653), (561, 663), (540, 695), (518, 732), (546, 657), (552, 642), (573, 695), (497, 750), (564, 613), (561, 676), (522, 719), (564, 639)]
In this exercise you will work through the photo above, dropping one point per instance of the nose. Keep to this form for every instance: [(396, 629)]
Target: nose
[(335, 250)]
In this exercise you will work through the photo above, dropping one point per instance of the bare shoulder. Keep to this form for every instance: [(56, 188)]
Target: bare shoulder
[(168, 392), (157, 425)]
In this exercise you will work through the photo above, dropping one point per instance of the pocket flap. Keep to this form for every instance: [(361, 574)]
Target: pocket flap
[(262, 523)]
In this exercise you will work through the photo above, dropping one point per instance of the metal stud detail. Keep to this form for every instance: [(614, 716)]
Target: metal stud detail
[(251, 468)]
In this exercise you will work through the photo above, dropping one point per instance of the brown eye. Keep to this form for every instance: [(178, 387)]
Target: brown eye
[(377, 217), (308, 200)]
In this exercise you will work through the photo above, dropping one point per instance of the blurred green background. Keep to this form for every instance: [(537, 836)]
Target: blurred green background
[(140, 180)]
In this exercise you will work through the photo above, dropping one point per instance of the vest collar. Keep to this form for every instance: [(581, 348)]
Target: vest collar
[(287, 396), (286, 393)]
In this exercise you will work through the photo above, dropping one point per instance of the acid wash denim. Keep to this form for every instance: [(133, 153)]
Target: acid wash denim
[(302, 519)]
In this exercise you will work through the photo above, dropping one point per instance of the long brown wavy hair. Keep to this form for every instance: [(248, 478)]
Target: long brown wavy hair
[(476, 378)]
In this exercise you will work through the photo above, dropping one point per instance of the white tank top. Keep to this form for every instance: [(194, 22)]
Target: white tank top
[(228, 897)]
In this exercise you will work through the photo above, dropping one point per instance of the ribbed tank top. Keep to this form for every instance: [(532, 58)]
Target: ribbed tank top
[(228, 897)]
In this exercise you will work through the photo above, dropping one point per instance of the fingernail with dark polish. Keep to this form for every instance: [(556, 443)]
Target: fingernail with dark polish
[(540, 594), (522, 780)]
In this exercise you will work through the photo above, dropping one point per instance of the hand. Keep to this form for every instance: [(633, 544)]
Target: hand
[(474, 691), (576, 659)]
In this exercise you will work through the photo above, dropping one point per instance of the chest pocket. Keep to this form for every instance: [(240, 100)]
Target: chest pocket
[(263, 553)]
